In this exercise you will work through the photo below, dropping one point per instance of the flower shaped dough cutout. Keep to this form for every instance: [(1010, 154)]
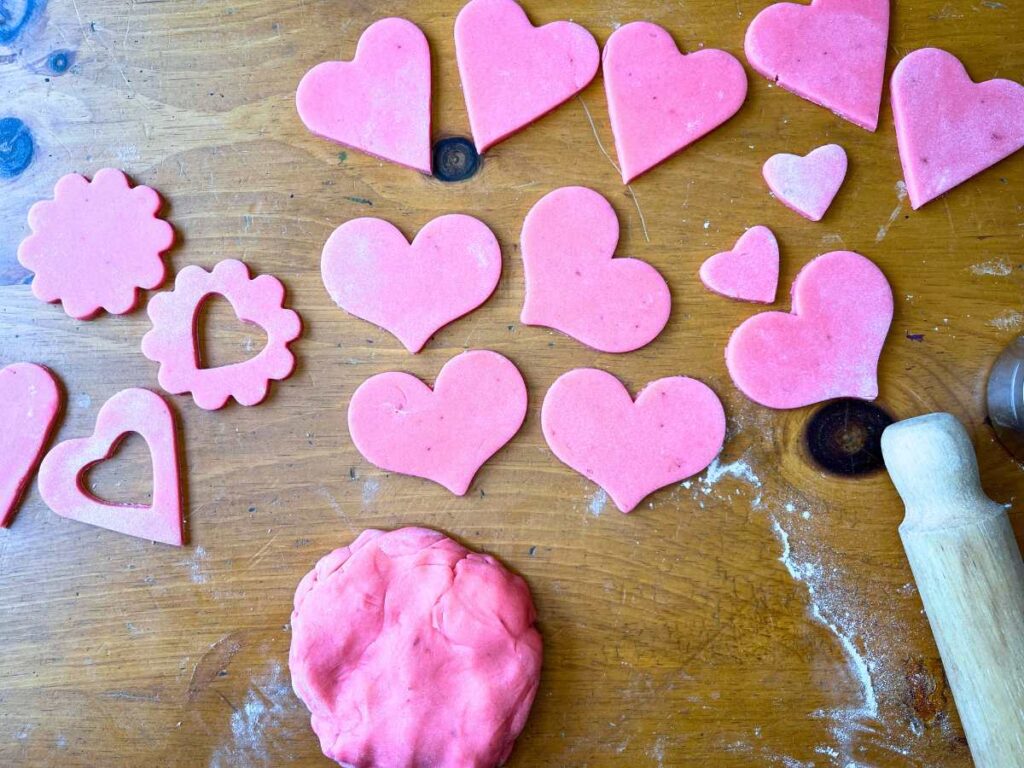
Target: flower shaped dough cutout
[(172, 341), (95, 244)]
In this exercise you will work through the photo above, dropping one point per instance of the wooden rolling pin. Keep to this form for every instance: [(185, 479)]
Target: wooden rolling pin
[(970, 575)]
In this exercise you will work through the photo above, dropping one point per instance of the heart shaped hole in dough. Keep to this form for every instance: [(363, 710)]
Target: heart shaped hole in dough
[(125, 476), (221, 337)]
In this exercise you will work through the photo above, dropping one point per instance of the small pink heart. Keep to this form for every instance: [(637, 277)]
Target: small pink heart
[(948, 127), (831, 52), (674, 430), (62, 473), (379, 102), (808, 184), (749, 272), (575, 286), (828, 347), (446, 434), (450, 269), (512, 72), (659, 100), (29, 403)]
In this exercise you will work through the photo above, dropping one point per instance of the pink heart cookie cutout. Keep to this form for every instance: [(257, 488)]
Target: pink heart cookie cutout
[(660, 100), (573, 283), (30, 401), (831, 52), (948, 127), (828, 347), (674, 429), (379, 102), (411, 290), (399, 424), (512, 72), (62, 473), (96, 244), (807, 184), (749, 272)]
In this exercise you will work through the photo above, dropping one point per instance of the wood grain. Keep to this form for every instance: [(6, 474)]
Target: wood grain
[(762, 615)]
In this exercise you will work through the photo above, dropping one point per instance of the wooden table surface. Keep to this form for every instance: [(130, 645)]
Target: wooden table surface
[(762, 615)]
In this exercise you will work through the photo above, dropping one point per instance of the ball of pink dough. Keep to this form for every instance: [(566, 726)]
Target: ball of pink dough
[(410, 650)]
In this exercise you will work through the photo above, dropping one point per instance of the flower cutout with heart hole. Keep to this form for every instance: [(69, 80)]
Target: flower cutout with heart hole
[(96, 244), (174, 344)]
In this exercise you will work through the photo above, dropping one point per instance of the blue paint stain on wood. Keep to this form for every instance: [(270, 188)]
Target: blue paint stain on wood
[(15, 16), (60, 61), (16, 147)]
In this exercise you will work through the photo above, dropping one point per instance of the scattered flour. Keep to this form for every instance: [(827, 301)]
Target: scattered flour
[(597, 502), (1008, 321), (901, 196), (371, 486), (993, 268), (195, 566)]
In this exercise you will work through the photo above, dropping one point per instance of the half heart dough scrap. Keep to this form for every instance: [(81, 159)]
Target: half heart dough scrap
[(172, 342), (674, 429), (948, 127), (436, 647), (831, 52), (399, 424), (807, 184), (96, 244), (30, 401), (749, 272), (63, 471), (512, 72), (573, 283), (411, 290), (660, 100), (379, 102), (828, 347)]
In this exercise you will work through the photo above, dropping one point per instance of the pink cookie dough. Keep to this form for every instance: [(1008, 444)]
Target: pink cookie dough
[(575, 286), (379, 102), (512, 72), (948, 127), (62, 473), (451, 268), (399, 424), (172, 342), (808, 184), (749, 272), (828, 347), (412, 651), (660, 100), (673, 430), (96, 244), (831, 52), (30, 401)]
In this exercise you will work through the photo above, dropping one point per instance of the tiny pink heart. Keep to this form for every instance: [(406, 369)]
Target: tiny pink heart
[(948, 127), (379, 102), (411, 290), (674, 430), (828, 347), (399, 424), (831, 52), (660, 100), (29, 403), (573, 283), (63, 471), (512, 72), (749, 272), (808, 184)]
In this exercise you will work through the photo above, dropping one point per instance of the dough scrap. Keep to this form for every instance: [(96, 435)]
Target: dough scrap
[(807, 184), (410, 650), (749, 272)]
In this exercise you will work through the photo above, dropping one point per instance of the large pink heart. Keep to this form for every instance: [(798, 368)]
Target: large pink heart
[(379, 102), (828, 347), (675, 429), (831, 52), (62, 473), (446, 434), (948, 127), (575, 286), (372, 272), (513, 72), (29, 403), (659, 100)]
